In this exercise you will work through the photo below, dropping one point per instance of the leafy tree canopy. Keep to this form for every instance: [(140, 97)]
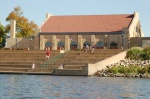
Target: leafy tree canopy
[(2, 31), (24, 28), (2, 35)]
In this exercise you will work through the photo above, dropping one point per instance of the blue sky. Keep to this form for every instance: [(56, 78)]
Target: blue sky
[(35, 10)]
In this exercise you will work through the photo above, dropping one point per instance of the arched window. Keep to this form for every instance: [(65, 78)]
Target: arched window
[(48, 45), (73, 45), (113, 45), (86, 43), (60, 44), (100, 45)]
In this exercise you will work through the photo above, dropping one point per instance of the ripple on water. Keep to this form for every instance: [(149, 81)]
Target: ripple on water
[(71, 87)]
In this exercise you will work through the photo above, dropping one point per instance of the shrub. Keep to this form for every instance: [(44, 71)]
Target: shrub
[(129, 69), (148, 69), (146, 54), (146, 49), (121, 69), (135, 53), (113, 70)]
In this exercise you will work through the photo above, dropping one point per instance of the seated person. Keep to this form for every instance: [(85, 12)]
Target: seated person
[(61, 66), (92, 49)]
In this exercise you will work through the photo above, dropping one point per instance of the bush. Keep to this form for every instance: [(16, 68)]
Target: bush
[(135, 53), (148, 69), (146, 49), (113, 70), (129, 69), (121, 69), (146, 54)]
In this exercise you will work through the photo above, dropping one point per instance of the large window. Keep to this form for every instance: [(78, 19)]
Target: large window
[(60, 45), (73, 45), (113, 45), (48, 45), (86, 43), (100, 45)]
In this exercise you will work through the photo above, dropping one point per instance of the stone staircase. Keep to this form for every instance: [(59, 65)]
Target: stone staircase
[(75, 61), (20, 61)]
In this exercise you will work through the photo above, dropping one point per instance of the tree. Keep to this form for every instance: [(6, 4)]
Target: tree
[(24, 28), (2, 36)]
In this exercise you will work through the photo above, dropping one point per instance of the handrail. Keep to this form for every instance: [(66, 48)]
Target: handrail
[(54, 59)]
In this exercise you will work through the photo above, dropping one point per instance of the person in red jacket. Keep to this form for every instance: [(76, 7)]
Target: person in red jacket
[(48, 54)]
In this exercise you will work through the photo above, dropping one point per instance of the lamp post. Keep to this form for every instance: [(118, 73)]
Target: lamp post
[(16, 42), (70, 43), (30, 42), (122, 40), (128, 43)]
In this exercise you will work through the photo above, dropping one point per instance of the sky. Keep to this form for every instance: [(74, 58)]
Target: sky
[(35, 10)]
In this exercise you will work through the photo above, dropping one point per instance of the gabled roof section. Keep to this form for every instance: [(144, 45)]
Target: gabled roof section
[(87, 23)]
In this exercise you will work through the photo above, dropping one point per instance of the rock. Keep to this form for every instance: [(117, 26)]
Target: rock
[(104, 75), (119, 75), (137, 76)]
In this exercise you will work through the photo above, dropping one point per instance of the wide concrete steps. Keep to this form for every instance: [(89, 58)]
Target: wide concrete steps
[(75, 62), (73, 67), (21, 61), (77, 65), (10, 70), (70, 72)]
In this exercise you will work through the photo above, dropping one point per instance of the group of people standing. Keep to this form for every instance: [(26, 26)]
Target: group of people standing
[(87, 48)]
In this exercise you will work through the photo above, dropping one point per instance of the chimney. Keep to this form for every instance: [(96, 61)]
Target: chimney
[(48, 15), (12, 28)]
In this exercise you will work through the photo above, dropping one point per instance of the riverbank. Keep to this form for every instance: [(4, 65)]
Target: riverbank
[(127, 68)]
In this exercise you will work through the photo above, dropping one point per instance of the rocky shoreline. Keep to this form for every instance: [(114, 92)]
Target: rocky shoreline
[(125, 63)]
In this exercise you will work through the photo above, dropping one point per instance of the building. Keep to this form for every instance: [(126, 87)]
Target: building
[(101, 31)]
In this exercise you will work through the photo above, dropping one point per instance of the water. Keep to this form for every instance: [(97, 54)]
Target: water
[(72, 87)]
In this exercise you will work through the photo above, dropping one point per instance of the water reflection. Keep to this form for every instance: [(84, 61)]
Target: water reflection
[(71, 87)]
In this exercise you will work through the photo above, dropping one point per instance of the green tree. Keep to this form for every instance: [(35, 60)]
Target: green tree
[(2, 36), (24, 28)]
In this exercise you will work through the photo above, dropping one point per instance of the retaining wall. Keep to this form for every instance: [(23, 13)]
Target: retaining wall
[(93, 68)]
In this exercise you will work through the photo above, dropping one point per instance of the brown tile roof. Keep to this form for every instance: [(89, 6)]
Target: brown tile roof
[(87, 23)]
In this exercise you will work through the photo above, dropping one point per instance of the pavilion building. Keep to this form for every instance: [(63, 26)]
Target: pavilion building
[(100, 31), (117, 31)]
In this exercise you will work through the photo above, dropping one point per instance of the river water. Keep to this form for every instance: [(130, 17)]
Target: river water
[(72, 87)]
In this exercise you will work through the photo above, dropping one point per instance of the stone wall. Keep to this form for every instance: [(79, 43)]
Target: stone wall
[(93, 68), (23, 43), (80, 39), (139, 41)]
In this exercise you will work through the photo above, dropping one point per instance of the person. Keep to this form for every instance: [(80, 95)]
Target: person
[(33, 65), (61, 66), (86, 48), (48, 54), (92, 48), (62, 50)]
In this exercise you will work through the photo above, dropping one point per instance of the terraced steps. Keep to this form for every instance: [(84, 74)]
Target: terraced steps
[(20, 61), (77, 61), (16, 61)]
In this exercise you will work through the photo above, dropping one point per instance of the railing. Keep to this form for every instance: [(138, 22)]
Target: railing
[(51, 62)]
